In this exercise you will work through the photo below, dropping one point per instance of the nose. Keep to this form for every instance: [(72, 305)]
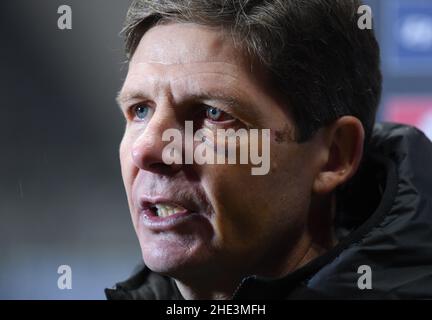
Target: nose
[(148, 148)]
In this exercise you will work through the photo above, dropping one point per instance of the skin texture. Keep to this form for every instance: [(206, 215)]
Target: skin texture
[(263, 225)]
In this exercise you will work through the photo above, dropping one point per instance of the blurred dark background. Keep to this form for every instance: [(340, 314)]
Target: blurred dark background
[(61, 193)]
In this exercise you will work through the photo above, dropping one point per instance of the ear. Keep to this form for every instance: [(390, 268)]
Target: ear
[(342, 153)]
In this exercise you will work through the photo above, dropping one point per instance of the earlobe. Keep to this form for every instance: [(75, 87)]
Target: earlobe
[(327, 181), (343, 150)]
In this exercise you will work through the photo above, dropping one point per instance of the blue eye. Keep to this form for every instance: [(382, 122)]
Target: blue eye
[(216, 114), (213, 113), (141, 111)]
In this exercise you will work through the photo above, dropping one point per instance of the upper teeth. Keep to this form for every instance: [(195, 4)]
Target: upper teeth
[(165, 210)]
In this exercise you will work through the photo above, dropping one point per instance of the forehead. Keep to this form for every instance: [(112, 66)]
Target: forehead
[(186, 43), (177, 60)]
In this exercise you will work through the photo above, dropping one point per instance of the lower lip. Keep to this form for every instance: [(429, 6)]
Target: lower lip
[(156, 223)]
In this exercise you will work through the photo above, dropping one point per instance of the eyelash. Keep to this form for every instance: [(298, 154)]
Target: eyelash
[(133, 110), (223, 113)]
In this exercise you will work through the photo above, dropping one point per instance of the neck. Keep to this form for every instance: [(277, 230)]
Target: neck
[(200, 289), (203, 289)]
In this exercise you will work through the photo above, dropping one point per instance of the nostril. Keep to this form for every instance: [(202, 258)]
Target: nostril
[(162, 168), (147, 154)]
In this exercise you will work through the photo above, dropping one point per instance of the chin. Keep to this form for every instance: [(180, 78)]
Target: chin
[(171, 255)]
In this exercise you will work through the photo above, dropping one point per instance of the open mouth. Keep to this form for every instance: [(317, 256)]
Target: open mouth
[(164, 214), (164, 210)]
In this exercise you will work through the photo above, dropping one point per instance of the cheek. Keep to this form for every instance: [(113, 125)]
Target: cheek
[(124, 157), (126, 164), (250, 209)]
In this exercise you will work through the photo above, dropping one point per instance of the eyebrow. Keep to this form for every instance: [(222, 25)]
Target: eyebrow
[(121, 98), (228, 100), (241, 105)]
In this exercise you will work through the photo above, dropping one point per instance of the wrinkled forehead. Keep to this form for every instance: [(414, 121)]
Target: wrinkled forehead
[(188, 57), (187, 43)]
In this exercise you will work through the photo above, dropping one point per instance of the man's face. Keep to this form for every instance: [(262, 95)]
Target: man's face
[(229, 220)]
